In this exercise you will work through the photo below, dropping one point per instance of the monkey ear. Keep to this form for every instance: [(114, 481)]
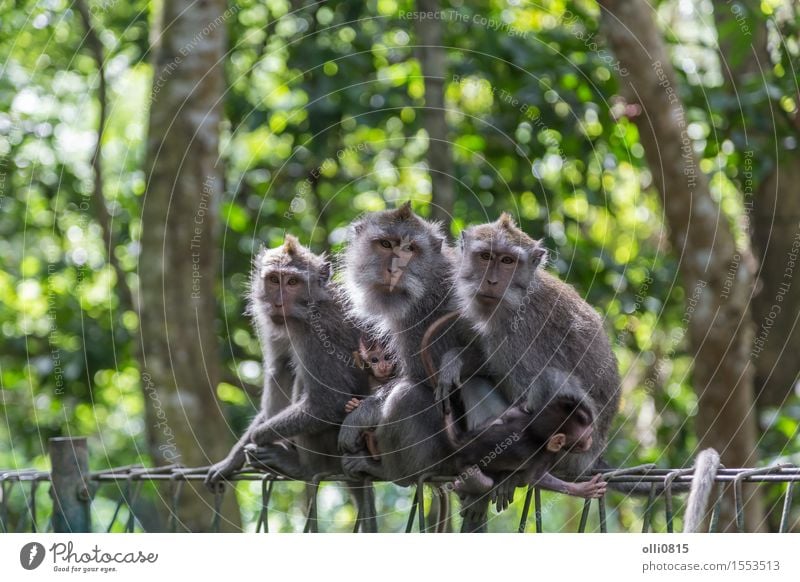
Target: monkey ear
[(325, 273), (356, 227), (405, 212), (357, 360), (539, 254), (462, 240), (556, 442)]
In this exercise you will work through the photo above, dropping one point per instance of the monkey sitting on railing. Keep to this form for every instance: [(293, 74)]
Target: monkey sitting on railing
[(372, 355)]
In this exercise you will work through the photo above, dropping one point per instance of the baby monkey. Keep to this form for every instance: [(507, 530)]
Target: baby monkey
[(374, 356), (526, 442)]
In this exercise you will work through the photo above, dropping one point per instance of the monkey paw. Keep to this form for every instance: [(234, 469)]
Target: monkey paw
[(474, 511), (592, 489), (219, 472), (503, 494), (358, 466), (276, 459)]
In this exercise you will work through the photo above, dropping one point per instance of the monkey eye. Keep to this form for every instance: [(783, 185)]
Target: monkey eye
[(292, 281), (374, 360), (385, 243), (485, 256), (273, 279), (507, 260)]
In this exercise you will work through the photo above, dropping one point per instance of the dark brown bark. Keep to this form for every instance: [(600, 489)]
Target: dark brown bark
[(718, 279), (432, 55), (773, 205), (177, 268)]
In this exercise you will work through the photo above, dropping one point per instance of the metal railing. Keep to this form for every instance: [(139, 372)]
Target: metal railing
[(72, 488)]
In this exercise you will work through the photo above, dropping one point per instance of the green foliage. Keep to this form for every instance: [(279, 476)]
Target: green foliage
[(323, 123)]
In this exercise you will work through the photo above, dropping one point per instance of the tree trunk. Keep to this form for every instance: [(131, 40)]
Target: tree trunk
[(177, 269), (774, 207), (718, 280), (440, 161)]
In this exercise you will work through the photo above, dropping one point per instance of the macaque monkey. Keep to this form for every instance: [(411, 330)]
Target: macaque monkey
[(297, 307), (528, 439), (541, 337), (397, 278), (528, 443), (372, 355)]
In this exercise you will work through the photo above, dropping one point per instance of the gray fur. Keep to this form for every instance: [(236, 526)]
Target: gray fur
[(705, 469)]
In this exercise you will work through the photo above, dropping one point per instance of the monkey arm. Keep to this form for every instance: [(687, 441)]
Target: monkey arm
[(366, 416), (235, 459), (457, 365)]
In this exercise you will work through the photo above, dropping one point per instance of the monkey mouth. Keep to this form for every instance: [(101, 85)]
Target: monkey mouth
[(277, 317), (487, 299)]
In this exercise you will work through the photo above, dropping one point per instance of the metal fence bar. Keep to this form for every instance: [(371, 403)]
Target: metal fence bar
[(523, 522), (787, 505), (71, 456)]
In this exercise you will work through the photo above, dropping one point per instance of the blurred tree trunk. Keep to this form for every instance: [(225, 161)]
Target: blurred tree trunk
[(775, 215), (432, 56), (720, 326), (180, 354)]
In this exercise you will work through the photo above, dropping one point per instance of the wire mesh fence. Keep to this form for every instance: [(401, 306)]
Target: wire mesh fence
[(72, 488)]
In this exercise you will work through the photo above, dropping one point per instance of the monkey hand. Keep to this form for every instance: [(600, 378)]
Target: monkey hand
[(264, 435), (591, 489), (503, 493), (225, 468), (352, 404)]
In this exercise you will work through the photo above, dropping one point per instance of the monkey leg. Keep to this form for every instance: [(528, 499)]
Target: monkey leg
[(280, 459), (473, 481), (474, 512), (592, 489), (371, 443), (358, 465)]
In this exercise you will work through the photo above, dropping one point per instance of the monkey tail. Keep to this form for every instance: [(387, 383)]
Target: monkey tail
[(425, 346), (705, 469)]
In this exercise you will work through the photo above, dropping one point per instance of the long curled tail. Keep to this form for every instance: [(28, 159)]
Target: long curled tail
[(705, 469)]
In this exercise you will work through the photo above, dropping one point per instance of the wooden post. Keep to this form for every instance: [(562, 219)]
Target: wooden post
[(69, 459)]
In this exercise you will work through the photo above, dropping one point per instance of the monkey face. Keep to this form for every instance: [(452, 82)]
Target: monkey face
[(497, 265), (285, 294), (380, 363), (388, 260)]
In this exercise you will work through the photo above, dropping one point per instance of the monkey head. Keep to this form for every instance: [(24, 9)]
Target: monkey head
[(390, 258), (375, 356), (287, 280), (497, 265), (567, 423)]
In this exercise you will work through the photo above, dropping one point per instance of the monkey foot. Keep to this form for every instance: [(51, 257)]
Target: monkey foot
[(274, 459), (592, 489), (358, 466), (473, 482)]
